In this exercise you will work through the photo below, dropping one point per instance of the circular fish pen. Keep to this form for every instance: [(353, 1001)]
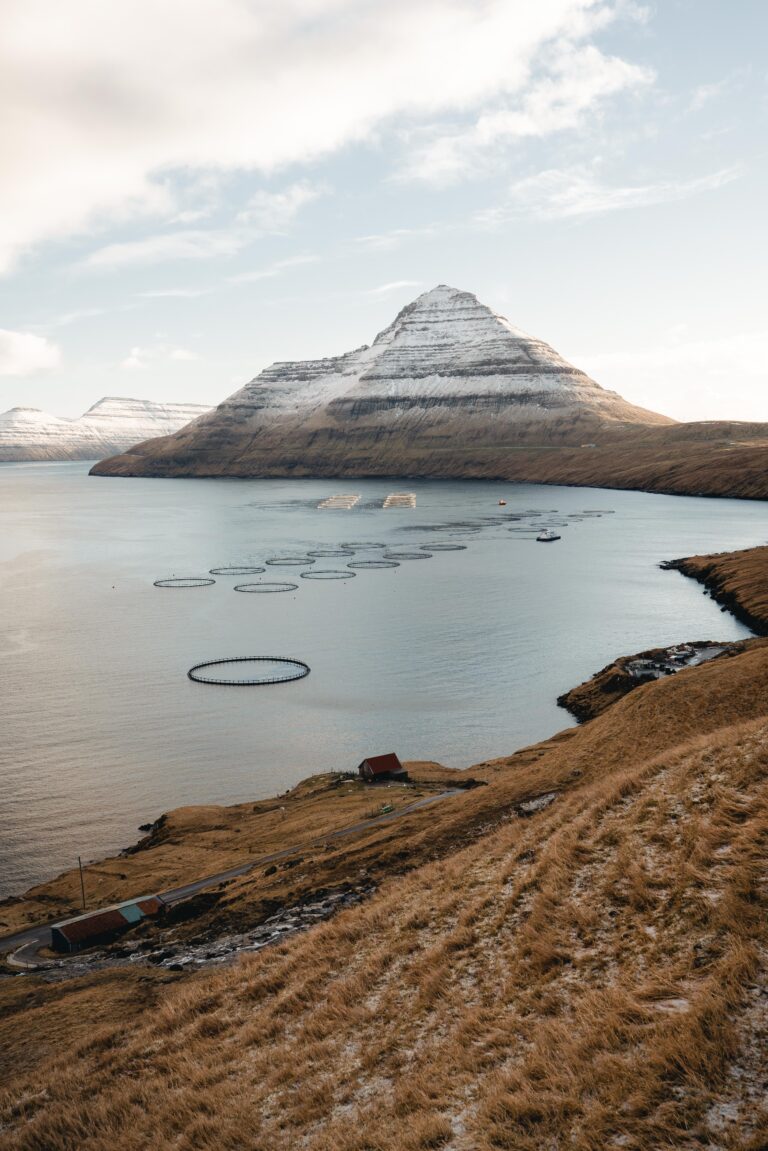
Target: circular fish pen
[(443, 547), (399, 556), (373, 565), (289, 561), (266, 587), (266, 669), (328, 573), (237, 571), (185, 581), (361, 545), (331, 553)]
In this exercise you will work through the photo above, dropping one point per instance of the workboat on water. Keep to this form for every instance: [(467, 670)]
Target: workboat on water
[(547, 536)]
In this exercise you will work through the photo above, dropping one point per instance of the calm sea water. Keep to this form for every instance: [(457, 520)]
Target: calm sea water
[(456, 658)]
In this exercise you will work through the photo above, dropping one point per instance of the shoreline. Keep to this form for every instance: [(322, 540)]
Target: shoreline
[(595, 914), (181, 826)]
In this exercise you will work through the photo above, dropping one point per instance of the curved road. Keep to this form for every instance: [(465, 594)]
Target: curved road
[(25, 944)]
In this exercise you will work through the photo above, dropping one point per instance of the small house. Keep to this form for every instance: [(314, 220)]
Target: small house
[(381, 767), (104, 926)]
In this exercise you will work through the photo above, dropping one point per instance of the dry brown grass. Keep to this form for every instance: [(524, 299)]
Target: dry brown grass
[(592, 977), (197, 841)]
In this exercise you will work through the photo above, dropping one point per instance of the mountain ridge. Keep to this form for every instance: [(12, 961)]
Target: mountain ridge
[(112, 424), (448, 369)]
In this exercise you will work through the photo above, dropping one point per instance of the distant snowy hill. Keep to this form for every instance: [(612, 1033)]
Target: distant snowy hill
[(111, 425), (447, 375)]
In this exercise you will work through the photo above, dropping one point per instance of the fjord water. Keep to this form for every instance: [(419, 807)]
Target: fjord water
[(456, 658)]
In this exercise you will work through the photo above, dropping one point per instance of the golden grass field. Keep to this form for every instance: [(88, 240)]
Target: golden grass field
[(592, 976)]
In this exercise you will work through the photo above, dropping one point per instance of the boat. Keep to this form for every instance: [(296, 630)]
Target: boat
[(502, 503), (547, 536)]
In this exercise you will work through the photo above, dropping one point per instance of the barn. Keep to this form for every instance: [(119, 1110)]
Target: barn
[(103, 926), (382, 767)]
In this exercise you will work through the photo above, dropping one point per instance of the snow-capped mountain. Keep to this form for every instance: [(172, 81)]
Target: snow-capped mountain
[(111, 425), (447, 374)]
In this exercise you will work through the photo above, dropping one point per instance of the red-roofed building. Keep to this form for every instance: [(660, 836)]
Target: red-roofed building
[(377, 767), (104, 926)]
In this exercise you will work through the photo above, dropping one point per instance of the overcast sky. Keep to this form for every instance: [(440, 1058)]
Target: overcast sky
[(192, 189)]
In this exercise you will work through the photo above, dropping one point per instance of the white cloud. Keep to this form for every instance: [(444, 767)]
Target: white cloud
[(571, 192), (140, 358), (724, 376), (706, 93), (393, 286), (168, 246), (273, 269), (67, 318), (22, 354), (174, 293), (105, 104), (386, 241), (577, 83), (274, 211)]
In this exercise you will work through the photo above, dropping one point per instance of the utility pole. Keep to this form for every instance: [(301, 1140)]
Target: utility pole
[(82, 884)]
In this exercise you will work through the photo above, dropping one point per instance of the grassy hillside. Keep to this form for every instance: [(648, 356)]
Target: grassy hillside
[(588, 975)]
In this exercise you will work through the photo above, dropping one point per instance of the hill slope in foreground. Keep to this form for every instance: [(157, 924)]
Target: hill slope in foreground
[(111, 425), (586, 972), (452, 390)]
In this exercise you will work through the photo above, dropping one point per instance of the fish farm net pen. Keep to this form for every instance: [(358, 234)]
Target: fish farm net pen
[(328, 574), (266, 588), (443, 547), (331, 553), (238, 571), (297, 669), (290, 561), (361, 545), (185, 581), (407, 555), (372, 565)]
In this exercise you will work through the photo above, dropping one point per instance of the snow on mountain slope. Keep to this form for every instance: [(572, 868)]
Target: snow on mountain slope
[(447, 370), (111, 425)]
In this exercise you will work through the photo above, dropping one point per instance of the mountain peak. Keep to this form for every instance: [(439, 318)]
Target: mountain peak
[(449, 375)]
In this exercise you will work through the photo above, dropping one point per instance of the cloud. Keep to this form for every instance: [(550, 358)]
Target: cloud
[(274, 269), (721, 377), (22, 354), (705, 93), (67, 318), (577, 83), (571, 192), (168, 246), (274, 211), (174, 293), (394, 286), (140, 358), (386, 241), (111, 110)]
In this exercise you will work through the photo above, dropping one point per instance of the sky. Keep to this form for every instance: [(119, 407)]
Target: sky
[(193, 189)]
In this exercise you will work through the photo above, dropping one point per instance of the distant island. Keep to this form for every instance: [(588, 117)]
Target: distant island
[(451, 389), (111, 425)]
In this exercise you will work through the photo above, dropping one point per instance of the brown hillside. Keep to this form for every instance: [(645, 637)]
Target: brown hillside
[(710, 459), (592, 976)]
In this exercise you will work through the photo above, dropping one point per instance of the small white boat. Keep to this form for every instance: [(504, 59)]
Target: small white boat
[(547, 536)]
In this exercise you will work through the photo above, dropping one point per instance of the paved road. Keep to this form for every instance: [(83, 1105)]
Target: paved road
[(25, 944)]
